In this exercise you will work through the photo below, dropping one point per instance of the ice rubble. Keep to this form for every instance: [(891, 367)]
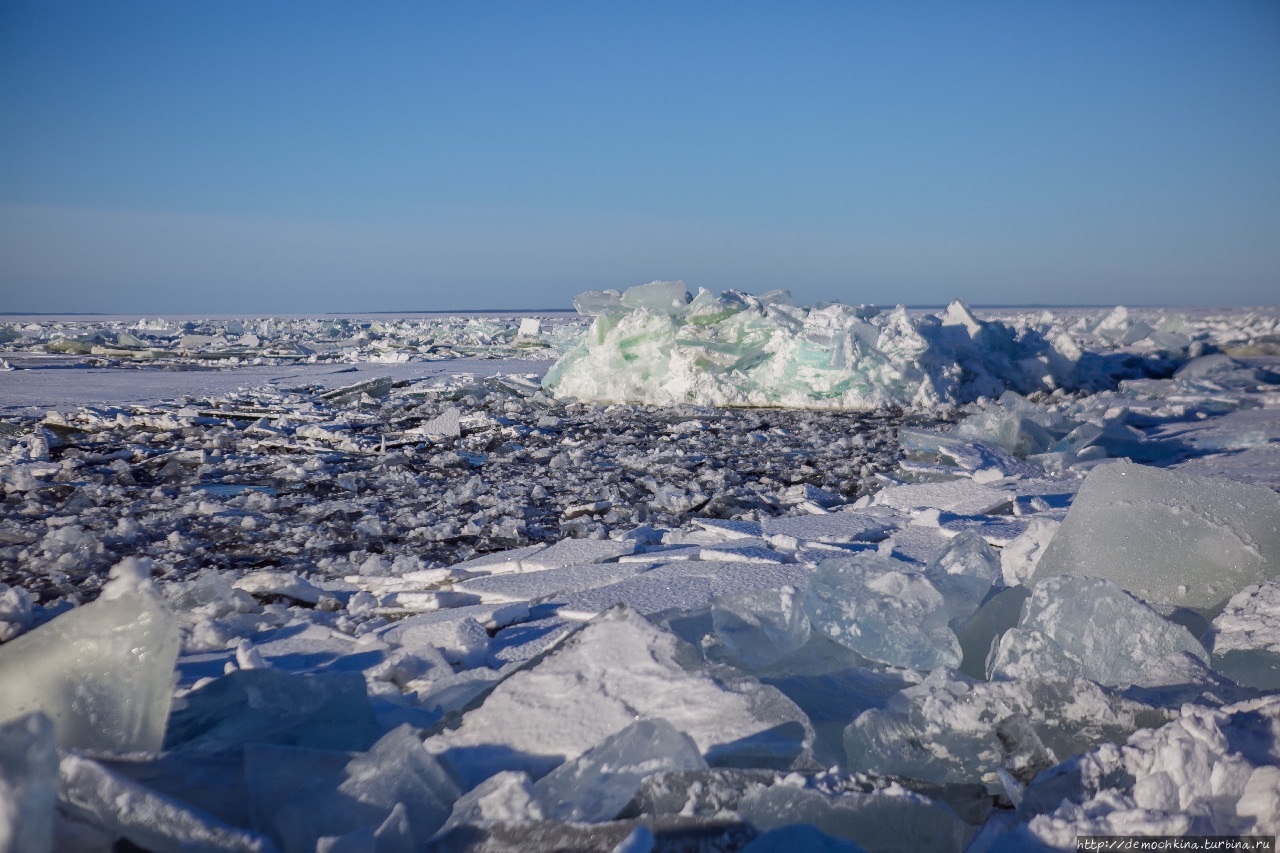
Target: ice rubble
[(276, 340), (340, 566)]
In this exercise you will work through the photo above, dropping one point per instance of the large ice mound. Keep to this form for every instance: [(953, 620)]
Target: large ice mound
[(653, 344)]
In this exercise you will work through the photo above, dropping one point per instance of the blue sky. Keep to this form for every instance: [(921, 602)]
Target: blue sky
[(320, 156)]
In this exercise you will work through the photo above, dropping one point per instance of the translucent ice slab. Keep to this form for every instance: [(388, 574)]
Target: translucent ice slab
[(893, 819), (597, 784), (757, 627), (28, 783), (1081, 626), (948, 730), (103, 672), (964, 572), (1169, 538), (884, 611)]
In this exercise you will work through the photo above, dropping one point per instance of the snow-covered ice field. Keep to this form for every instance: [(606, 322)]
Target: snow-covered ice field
[(720, 573)]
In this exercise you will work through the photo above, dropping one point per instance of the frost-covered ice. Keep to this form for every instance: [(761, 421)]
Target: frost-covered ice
[(419, 598)]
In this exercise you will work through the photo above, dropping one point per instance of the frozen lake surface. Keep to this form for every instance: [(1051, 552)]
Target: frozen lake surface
[(979, 580)]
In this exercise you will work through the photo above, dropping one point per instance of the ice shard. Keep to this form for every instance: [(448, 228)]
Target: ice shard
[(102, 672), (28, 784), (883, 610), (1113, 637), (757, 627), (596, 785), (1169, 538), (1245, 637), (892, 819)]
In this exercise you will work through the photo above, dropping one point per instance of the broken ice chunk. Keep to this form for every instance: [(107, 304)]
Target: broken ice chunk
[(1027, 653), (965, 458), (667, 297), (891, 819), (28, 783), (1246, 637), (596, 682), (837, 527), (15, 611), (286, 584), (377, 389), (596, 785), (448, 424), (757, 627), (505, 797), (1170, 538), (1019, 558), (964, 572), (884, 611), (530, 586), (459, 633), (338, 798), (950, 730), (103, 672), (741, 551), (1116, 638)]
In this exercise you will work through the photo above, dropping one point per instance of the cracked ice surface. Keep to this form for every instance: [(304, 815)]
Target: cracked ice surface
[(394, 586)]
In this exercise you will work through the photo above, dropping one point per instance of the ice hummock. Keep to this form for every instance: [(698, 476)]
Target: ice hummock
[(102, 672), (653, 344), (1210, 770), (950, 729), (1169, 538)]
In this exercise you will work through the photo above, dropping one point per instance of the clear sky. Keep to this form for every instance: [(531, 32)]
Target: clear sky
[(273, 156)]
